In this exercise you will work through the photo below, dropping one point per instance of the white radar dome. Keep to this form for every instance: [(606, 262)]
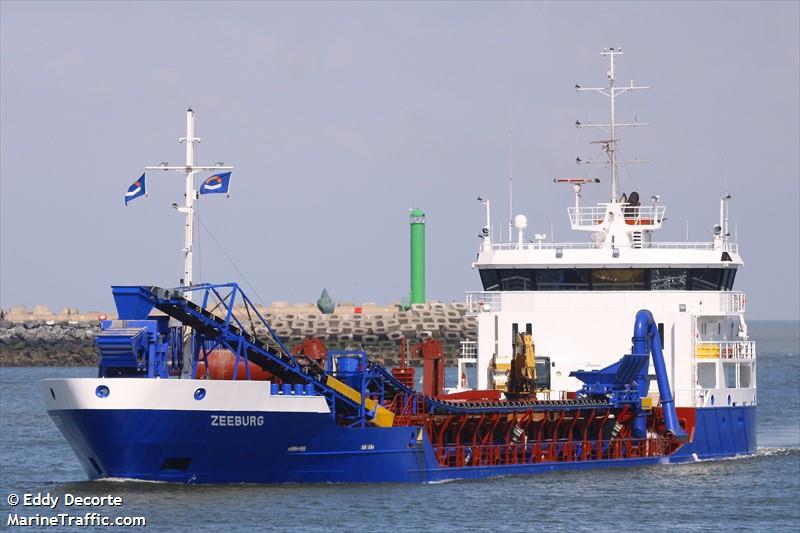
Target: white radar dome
[(520, 222)]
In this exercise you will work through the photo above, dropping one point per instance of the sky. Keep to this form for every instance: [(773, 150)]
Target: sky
[(340, 117)]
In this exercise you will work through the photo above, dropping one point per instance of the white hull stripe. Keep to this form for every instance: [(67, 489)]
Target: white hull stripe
[(174, 394)]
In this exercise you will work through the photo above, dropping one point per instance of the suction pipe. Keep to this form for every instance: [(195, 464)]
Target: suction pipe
[(646, 339)]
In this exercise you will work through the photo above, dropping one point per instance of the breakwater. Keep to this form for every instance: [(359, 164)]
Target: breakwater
[(41, 338)]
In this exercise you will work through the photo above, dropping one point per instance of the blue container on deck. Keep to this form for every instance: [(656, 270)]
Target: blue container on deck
[(310, 389), (274, 389), (287, 388), (299, 389), (133, 303), (348, 370)]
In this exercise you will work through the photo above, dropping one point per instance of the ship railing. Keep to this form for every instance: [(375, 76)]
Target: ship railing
[(734, 302), (484, 302), (730, 247), (725, 350), (643, 215), (724, 302), (560, 451)]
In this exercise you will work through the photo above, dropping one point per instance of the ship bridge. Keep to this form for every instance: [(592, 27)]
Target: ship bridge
[(573, 297), (621, 255)]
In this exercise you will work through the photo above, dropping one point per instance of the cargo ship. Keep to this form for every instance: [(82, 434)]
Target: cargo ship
[(619, 351)]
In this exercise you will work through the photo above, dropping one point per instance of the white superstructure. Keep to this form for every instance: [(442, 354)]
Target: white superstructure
[(578, 300)]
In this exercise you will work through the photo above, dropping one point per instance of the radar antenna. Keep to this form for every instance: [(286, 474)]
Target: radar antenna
[(609, 145)]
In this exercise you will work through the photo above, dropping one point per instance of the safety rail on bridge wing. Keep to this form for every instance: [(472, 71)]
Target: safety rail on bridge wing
[(725, 350), (733, 302), (484, 302), (645, 215)]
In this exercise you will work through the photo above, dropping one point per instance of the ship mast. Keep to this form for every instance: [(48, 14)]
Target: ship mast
[(609, 145), (190, 169)]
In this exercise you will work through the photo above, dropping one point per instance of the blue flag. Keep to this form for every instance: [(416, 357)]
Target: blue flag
[(136, 190), (216, 184)]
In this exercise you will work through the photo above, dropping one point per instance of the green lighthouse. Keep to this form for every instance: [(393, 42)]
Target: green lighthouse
[(417, 256)]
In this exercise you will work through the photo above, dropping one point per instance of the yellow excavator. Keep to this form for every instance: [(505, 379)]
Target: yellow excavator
[(522, 374)]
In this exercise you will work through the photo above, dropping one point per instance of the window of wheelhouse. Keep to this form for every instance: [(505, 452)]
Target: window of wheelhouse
[(518, 280), (706, 279), (668, 279), (564, 279), (490, 279), (607, 279), (618, 279), (728, 275)]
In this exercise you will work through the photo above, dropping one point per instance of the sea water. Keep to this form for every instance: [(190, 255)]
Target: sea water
[(758, 493)]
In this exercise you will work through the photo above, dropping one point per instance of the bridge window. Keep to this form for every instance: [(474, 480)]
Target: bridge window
[(706, 279), (490, 279), (668, 279), (517, 280), (563, 279), (618, 279), (607, 279), (727, 278)]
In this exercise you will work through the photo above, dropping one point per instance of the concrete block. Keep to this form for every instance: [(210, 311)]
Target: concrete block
[(452, 335)]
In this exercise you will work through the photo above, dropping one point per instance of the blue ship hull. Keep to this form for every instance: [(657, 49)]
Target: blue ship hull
[(183, 446)]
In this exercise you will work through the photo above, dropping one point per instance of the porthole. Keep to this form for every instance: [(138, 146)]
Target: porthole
[(102, 391), (200, 393)]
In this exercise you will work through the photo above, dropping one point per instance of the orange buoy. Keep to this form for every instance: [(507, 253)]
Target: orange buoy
[(221, 364)]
